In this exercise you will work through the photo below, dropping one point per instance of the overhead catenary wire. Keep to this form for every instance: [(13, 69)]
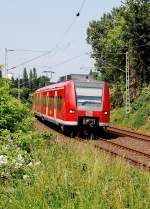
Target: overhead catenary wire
[(70, 59), (82, 5), (58, 43), (28, 50), (34, 58)]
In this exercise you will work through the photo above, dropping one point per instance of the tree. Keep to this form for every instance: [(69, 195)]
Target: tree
[(43, 81), (1, 67), (126, 28), (136, 34), (105, 37), (35, 82), (25, 78), (30, 81)]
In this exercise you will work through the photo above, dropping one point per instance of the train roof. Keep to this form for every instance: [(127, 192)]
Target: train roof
[(89, 84), (77, 83), (53, 86)]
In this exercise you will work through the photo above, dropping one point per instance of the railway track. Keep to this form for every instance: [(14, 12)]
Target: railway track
[(132, 134), (133, 156)]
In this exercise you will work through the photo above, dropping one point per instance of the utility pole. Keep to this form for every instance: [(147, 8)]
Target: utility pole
[(48, 72), (6, 62), (128, 108), (19, 87)]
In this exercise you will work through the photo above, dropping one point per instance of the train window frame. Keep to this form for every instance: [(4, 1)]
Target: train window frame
[(89, 107)]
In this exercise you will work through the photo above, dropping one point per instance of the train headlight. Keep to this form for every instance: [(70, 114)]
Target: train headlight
[(71, 111), (105, 113)]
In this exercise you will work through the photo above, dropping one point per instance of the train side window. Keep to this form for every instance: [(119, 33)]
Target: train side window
[(61, 102), (38, 99), (43, 100), (47, 100), (50, 101), (58, 102), (53, 102)]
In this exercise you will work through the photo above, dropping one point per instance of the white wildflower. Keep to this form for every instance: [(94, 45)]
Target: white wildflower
[(4, 175), (18, 149), (20, 158), (37, 163), (25, 177), (30, 164), (18, 165), (3, 160)]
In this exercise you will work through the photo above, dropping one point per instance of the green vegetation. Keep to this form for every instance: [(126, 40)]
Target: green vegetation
[(124, 29), (17, 136), (140, 113), (28, 84), (37, 172), (13, 114), (77, 177)]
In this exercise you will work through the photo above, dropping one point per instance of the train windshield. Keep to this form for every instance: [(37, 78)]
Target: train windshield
[(89, 98)]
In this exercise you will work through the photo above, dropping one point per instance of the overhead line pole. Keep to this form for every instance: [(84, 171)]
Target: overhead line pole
[(128, 108), (19, 88), (127, 71), (6, 62)]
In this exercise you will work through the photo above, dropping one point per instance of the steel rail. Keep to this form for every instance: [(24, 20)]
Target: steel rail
[(129, 160), (132, 134), (125, 148)]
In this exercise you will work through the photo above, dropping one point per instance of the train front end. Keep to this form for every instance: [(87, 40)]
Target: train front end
[(92, 103)]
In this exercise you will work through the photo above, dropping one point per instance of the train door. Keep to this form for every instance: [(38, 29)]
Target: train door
[(60, 104), (47, 102), (55, 105), (39, 106)]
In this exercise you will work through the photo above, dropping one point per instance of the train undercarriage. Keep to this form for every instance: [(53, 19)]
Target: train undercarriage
[(88, 127)]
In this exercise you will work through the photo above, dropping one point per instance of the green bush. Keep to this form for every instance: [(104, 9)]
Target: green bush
[(17, 136), (140, 112), (13, 112), (16, 153)]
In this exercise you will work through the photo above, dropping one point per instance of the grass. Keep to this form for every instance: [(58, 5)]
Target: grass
[(77, 177)]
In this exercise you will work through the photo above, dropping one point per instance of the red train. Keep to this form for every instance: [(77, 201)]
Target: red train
[(74, 104)]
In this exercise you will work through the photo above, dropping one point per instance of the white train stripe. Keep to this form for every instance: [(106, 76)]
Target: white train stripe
[(56, 121), (59, 121)]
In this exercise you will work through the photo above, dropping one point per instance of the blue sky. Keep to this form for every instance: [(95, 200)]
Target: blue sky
[(40, 25)]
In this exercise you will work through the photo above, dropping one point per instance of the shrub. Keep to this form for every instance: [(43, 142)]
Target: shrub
[(140, 112), (17, 137), (13, 112)]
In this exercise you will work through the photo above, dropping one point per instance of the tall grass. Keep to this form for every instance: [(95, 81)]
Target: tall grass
[(77, 177)]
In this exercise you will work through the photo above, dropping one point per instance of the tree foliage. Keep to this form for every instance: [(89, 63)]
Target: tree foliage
[(124, 29), (12, 112), (28, 83)]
